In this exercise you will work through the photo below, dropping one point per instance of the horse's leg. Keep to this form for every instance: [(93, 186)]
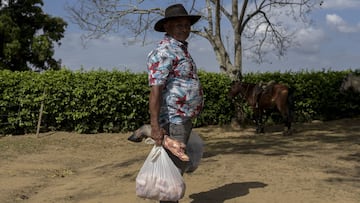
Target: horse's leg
[(287, 114), (262, 121), (282, 107), (287, 121), (257, 118), (266, 114), (260, 125), (290, 108)]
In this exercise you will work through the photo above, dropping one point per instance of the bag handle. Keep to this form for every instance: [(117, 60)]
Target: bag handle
[(156, 153)]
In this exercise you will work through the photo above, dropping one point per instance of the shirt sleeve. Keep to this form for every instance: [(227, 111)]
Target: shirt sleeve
[(159, 66)]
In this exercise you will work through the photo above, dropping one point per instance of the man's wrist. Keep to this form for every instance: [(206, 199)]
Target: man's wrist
[(155, 125)]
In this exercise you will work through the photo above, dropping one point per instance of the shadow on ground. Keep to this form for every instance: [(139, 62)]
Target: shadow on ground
[(225, 192), (309, 137), (306, 137)]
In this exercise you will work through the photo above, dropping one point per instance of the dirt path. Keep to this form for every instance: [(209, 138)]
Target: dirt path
[(320, 163)]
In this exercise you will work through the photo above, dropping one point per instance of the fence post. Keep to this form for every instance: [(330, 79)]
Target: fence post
[(40, 115)]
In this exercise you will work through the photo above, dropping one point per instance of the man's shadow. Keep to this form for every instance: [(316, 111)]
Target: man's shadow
[(225, 192)]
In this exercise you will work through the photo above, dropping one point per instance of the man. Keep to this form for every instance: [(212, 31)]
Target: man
[(176, 95)]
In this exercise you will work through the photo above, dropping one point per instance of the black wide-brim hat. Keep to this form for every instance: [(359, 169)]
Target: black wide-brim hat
[(175, 11)]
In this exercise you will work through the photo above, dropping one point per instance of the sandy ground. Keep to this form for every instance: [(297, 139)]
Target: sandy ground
[(320, 163)]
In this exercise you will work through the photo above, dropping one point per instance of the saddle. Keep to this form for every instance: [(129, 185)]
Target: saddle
[(261, 89)]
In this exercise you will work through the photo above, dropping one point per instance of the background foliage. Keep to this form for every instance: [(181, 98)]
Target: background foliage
[(27, 35), (113, 101)]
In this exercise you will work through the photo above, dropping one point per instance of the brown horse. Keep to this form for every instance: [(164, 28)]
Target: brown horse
[(264, 99)]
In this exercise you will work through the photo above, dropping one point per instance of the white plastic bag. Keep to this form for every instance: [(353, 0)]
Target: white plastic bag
[(194, 149), (159, 178)]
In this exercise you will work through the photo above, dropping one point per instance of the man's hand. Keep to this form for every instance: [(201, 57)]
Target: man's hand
[(157, 134)]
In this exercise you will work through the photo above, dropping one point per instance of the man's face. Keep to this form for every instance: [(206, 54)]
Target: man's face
[(178, 28)]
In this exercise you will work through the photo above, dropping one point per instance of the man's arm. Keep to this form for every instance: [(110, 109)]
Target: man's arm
[(155, 100)]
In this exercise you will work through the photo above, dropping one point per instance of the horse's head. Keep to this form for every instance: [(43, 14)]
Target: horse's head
[(235, 89)]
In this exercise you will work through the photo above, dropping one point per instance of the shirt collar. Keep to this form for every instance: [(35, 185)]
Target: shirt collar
[(179, 43)]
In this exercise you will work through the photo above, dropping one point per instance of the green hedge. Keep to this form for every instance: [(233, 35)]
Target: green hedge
[(114, 101)]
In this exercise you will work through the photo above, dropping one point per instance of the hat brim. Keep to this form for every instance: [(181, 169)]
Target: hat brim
[(159, 25)]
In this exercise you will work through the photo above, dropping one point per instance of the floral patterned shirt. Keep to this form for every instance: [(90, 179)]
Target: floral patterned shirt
[(171, 65)]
